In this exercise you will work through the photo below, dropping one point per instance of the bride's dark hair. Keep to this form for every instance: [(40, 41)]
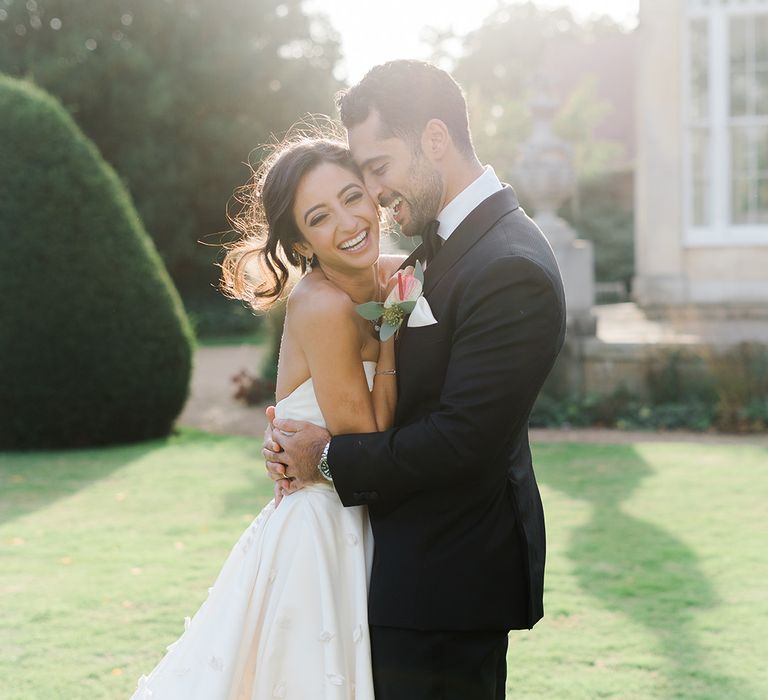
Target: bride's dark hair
[(264, 219)]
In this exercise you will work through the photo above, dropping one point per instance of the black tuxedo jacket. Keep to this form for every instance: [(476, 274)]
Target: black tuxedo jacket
[(454, 505)]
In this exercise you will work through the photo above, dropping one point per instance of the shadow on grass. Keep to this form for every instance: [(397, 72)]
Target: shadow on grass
[(31, 480), (636, 568)]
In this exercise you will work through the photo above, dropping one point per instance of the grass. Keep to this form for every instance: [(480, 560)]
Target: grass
[(655, 582)]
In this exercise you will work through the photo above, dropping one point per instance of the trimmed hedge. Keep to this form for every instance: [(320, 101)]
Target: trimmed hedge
[(95, 347)]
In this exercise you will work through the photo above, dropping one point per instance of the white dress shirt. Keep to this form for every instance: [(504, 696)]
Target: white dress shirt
[(468, 199)]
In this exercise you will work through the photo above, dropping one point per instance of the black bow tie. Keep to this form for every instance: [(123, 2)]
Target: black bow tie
[(431, 240)]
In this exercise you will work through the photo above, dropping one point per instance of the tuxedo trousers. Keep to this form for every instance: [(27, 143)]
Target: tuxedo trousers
[(424, 665)]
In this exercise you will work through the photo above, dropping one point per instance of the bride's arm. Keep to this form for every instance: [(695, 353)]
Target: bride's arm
[(324, 322), (384, 392), (385, 383)]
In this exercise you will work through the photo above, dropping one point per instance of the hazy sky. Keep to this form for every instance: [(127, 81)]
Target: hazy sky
[(373, 33)]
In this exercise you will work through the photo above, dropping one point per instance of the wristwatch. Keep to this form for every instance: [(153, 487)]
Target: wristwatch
[(323, 467)]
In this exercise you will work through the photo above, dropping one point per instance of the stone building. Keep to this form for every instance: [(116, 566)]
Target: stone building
[(702, 159)]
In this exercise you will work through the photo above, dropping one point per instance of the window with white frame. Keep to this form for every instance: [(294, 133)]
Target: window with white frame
[(726, 122)]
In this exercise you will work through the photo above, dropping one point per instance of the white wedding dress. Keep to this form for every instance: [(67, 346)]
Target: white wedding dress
[(287, 615)]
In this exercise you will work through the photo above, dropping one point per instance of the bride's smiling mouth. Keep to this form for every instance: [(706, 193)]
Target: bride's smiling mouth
[(352, 245)]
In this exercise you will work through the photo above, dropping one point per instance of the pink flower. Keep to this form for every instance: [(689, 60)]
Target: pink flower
[(408, 288), (406, 297)]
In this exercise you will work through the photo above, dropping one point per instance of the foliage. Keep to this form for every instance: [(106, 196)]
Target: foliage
[(275, 323), (176, 93), (741, 382), (725, 391), (503, 59), (582, 111), (600, 212), (255, 389), (95, 346), (677, 373), (517, 49), (623, 411), (217, 317)]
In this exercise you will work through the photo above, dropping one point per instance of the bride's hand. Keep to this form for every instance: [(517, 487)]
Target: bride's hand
[(283, 486), (278, 493)]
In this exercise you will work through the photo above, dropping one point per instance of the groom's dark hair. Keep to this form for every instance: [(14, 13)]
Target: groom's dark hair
[(407, 94)]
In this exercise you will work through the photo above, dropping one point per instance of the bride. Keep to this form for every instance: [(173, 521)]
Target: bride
[(287, 615)]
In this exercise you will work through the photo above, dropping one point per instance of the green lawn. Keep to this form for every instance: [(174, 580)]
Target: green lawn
[(656, 584)]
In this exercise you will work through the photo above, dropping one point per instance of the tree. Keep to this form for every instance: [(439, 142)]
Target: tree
[(95, 347), (176, 93), (518, 48), (522, 48)]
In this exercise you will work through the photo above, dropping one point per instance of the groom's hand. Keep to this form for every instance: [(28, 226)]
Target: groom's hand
[(300, 446)]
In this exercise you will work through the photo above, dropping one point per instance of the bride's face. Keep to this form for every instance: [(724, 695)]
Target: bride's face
[(337, 218)]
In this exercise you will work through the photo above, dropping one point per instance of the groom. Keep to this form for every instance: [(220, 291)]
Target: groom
[(453, 500)]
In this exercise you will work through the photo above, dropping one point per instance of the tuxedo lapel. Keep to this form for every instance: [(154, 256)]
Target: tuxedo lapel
[(417, 254), (469, 232)]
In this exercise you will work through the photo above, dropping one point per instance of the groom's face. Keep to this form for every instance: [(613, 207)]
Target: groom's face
[(397, 175)]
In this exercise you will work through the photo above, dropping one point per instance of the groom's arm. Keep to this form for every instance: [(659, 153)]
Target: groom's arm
[(504, 345)]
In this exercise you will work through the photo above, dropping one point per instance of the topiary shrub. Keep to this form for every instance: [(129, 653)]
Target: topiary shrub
[(95, 347)]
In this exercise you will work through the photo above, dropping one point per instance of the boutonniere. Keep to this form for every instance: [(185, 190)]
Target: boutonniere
[(405, 300)]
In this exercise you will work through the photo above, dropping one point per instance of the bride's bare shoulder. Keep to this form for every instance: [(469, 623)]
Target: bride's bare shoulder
[(316, 300)]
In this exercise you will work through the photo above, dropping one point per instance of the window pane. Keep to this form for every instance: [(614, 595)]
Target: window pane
[(749, 173), (761, 158), (699, 69), (759, 145), (741, 198), (699, 152), (739, 38), (700, 171), (761, 40), (740, 165), (761, 91), (701, 203), (761, 64), (761, 215), (739, 71)]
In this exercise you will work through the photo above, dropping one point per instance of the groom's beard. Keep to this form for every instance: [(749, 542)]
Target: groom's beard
[(424, 203)]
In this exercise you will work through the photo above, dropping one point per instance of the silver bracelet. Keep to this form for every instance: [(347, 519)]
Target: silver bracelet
[(391, 372)]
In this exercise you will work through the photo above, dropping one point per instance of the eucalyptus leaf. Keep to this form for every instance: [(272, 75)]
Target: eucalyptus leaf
[(387, 331), (418, 272), (371, 310), (407, 306)]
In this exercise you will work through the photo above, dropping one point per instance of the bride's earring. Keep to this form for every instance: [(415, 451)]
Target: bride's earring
[(306, 258)]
